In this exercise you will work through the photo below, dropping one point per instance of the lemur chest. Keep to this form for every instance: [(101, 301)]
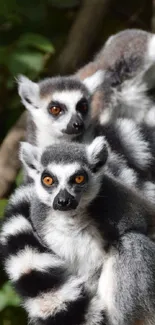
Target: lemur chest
[(81, 248)]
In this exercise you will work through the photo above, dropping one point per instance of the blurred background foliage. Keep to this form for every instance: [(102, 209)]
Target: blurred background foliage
[(32, 35)]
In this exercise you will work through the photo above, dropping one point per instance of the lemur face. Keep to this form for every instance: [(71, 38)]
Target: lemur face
[(60, 106), (66, 176)]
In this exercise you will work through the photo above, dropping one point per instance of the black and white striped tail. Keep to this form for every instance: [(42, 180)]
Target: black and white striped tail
[(50, 294)]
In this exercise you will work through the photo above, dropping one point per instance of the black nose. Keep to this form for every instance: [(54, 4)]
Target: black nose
[(78, 125), (75, 126), (62, 202)]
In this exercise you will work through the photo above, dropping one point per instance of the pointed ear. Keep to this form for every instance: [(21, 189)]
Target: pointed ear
[(28, 91), (29, 156), (97, 153), (94, 81)]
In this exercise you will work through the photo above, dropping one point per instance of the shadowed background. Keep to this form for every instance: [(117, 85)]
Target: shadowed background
[(44, 38)]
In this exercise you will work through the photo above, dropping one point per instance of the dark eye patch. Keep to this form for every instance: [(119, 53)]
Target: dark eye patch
[(79, 173), (82, 106)]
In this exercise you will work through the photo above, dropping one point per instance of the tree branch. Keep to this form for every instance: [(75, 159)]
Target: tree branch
[(9, 161), (82, 36)]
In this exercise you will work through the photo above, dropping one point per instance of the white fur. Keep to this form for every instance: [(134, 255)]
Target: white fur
[(22, 193), (63, 173), (77, 241), (94, 81), (69, 98), (149, 191), (106, 115), (94, 316), (14, 226), (128, 176), (150, 117), (132, 138), (48, 129), (106, 286), (135, 102), (27, 260), (95, 148), (151, 49), (49, 303), (30, 155), (30, 90)]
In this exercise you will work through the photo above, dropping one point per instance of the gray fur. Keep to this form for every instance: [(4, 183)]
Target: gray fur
[(69, 153), (128, 66), (128, 265), (51, 85)]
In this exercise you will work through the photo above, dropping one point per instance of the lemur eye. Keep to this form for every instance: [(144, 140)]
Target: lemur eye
[(79, 179), (48, 181), (82, 106), (55, 110)]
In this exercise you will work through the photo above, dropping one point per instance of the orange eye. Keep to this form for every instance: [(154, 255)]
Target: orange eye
[(79, 179), (48, 181), (55, 110)]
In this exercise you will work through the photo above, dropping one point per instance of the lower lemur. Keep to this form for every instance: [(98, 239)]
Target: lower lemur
[(87, 225)]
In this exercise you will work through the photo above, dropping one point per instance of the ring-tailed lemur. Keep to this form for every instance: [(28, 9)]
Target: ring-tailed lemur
[(95, 225), (59, 108), (128, 89), (121, 78), (129, 141)]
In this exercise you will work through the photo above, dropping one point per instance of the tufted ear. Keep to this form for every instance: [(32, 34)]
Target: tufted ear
[(94, 81), (97, 153), (29, 156), (28, 91)]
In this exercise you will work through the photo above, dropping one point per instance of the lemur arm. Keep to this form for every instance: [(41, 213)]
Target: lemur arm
[(50, 294)]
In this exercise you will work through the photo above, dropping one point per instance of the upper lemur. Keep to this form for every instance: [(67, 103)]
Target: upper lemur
[(58, 107), (75, 241), (121, 78)]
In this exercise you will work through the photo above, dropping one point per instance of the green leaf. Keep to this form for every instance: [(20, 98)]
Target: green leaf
[(25, 61), (8, 297), (19, 178), (37, 41), (65, 3), (3, 54), (3, 204)]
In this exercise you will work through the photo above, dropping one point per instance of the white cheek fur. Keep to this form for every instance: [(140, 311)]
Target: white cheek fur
[(49, 129)]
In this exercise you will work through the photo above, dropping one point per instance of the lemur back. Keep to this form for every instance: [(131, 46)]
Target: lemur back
[(75, 194), (127, 60)]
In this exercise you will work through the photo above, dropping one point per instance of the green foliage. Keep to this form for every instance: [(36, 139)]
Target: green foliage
[(8, 297), (3, 204), (31, 33)]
